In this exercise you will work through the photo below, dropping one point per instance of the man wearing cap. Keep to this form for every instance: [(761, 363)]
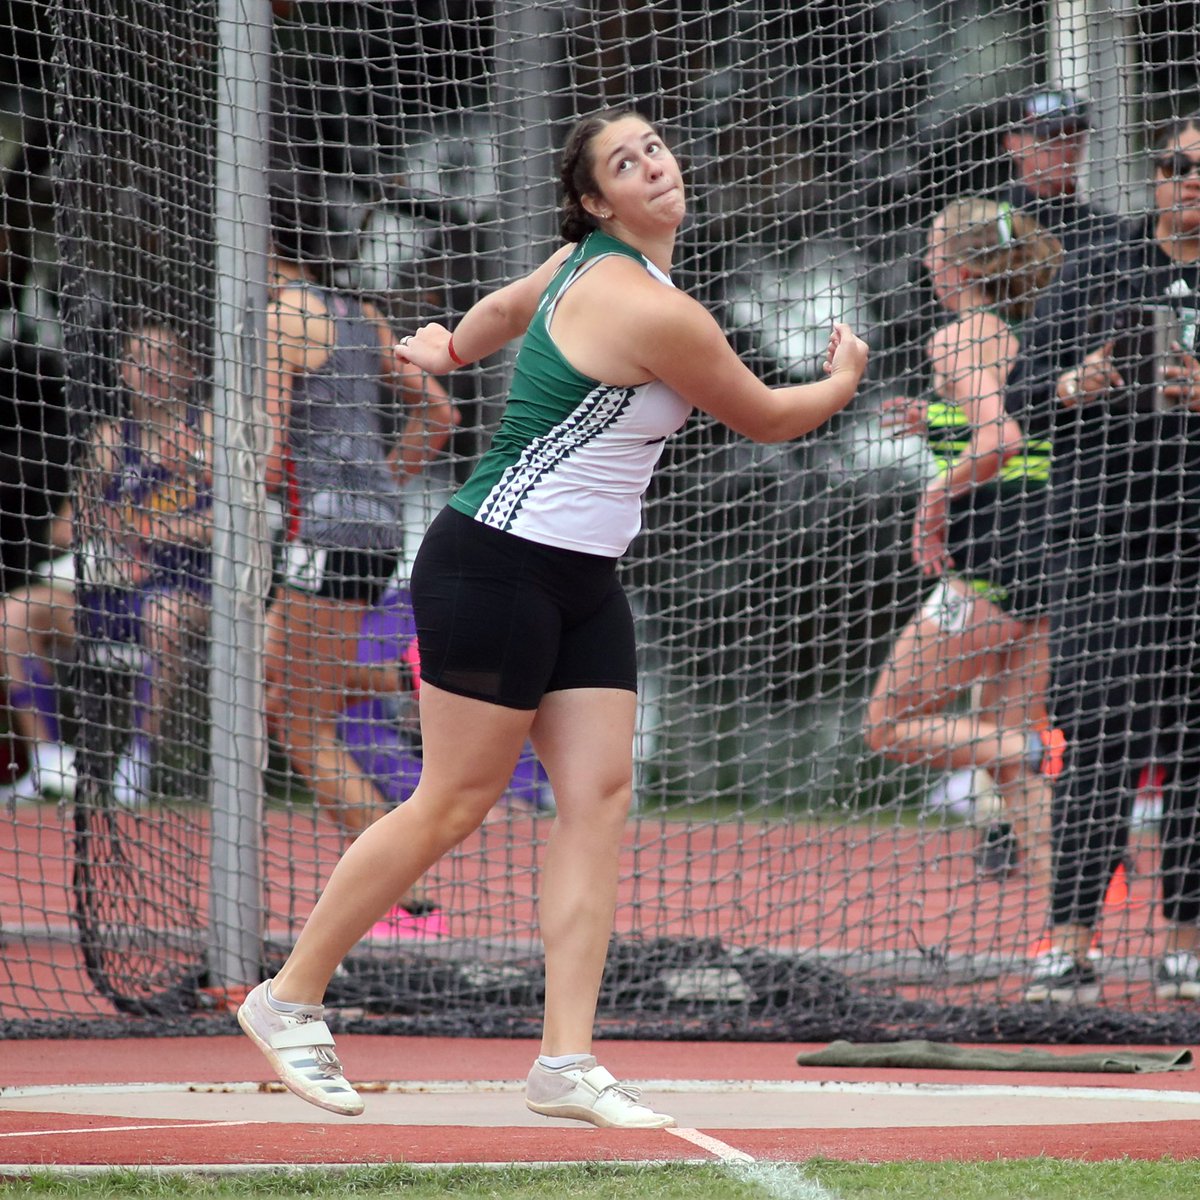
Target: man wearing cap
[(1045, 139)]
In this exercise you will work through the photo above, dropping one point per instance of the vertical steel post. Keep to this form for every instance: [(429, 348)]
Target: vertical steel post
[(240, 546)]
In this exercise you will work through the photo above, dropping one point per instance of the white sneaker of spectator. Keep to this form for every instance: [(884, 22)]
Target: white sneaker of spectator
[(53, 770), (131, 778), (954, 792)]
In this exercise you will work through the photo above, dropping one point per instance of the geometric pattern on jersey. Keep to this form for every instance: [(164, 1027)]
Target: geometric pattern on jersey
[(598, 411), (573, 456)]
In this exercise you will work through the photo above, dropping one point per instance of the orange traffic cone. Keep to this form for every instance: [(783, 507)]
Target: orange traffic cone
[(1117, 895)]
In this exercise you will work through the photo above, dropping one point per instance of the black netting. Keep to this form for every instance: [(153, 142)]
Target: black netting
[(788, 873)]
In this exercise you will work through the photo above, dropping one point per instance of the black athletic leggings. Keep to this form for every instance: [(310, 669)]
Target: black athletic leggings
[(1126, 692)]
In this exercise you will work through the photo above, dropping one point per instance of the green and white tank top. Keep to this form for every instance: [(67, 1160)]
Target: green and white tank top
[(572, 458)]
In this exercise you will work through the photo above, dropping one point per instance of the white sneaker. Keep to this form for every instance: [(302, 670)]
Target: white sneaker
[(22, 790), (1178, 976), (587, 1092), (299, 1046), (953, 793), (131, 777), (53, 770)]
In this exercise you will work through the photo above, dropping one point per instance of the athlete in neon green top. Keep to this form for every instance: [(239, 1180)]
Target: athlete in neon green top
[(982, 624)]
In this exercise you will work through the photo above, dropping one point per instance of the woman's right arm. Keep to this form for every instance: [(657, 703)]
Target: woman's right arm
[(299, 336), (487, 326)]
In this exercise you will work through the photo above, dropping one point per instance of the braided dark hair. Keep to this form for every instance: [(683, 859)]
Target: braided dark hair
[(577, 176)]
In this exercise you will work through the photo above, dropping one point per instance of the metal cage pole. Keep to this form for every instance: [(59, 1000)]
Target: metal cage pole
[(241, 561), (1093, 51)]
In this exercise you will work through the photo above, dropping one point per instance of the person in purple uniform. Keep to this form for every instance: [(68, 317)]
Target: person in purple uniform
[(145, 556)]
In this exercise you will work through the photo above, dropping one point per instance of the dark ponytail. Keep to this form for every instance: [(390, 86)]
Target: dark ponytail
[(577, 176)]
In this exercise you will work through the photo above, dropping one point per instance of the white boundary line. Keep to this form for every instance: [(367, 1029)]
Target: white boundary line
[(667, 1086), (717, 1148)]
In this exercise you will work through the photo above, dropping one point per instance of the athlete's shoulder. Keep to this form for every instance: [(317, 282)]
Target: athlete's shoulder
[(973, 332)]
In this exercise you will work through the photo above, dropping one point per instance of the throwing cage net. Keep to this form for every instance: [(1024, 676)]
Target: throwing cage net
[(790, 869)]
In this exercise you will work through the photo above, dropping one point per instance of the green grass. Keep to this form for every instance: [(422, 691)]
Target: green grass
[(1027, 1179)]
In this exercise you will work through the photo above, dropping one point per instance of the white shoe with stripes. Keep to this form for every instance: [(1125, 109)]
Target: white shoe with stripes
[(587, 1092), (300, 1048)]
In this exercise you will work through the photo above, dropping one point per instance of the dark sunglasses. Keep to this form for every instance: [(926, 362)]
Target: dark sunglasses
[(1177, 165)]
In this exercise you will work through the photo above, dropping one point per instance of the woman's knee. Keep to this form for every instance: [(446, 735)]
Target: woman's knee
[(453, 813), (595, 805)]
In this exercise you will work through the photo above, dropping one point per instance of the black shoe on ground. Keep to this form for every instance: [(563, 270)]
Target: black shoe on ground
[(1059, 979), (997, 853)]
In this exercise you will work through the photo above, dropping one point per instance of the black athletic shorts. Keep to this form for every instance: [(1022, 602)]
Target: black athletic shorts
[(361, 575), (997, 539), (506, 620)]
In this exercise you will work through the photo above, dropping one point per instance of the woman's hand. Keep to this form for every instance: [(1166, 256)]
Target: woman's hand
[(1092, 378), (428, 349), (1181, 379), (905, 416), (929, 529), (846, 352)]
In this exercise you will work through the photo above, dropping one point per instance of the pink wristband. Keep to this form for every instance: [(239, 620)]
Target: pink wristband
[(454, 357)]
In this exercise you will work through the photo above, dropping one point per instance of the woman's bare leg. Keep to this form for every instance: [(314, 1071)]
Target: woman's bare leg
[(584, 739), (469, 751), (928, 667), (37, 622), (311, 652)]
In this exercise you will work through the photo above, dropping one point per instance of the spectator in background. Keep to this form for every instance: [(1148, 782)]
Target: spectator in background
[(330, 363), (983, 622), (145, 550), (1045, 140), (1124, 417), (33, 416)]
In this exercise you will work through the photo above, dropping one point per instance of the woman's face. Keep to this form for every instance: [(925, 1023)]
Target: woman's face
[(639, 181), (1177, 182), (943, 271), (158, 374)]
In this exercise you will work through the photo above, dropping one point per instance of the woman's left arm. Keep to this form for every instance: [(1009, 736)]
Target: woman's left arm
[(971, 362)]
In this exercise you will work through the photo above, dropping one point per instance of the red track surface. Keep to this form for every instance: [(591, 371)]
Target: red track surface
[(854, 889), (851, 888), (29, 1136)]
